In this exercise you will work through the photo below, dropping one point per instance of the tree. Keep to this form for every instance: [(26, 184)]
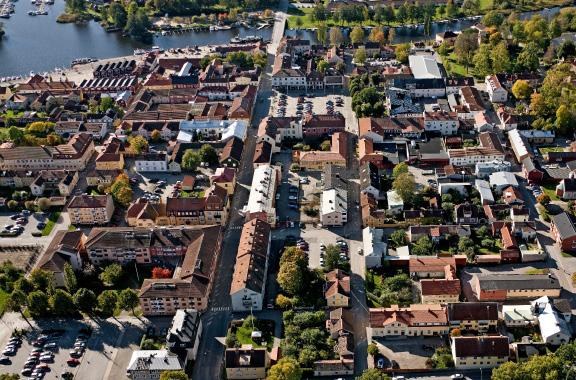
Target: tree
[(12, 204), (566, 50), (8, 376), (138, 144), (377, 35), (443, 49), (529, 58), (158, 272), (400, 168), (357, 35), (332, 257), (368, 102), (466, 246), (124, 196), (16, 134), (155, 135), (85, 300), (322, 34), (398, 238), (501, 58), (465, 46), (564, 120), (111, 274), (493, 18), (128, 300), (173, 375), (138, 25), (543, 199), (483, 61), (43, 204), (373, 374), (42, 279), (405, 186), (61, 303), (106, 103), (285, 369), (293, 270), (118, 15), (107, 301), (17, 302), (70, 281), (455, 332), (360, 56), (37, 302), (208, 154), (521, 89), (283, 302), (402, 52), (191, 160), (325, 145), (373, 349), (422, 247), (336, 37)]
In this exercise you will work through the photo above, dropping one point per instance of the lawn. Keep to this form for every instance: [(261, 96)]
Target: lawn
[(493, 251), (3, 301), (537, 271), (550, 189), (486, 4), (567, 254), (244, 334), (453, 67), (51, 223)]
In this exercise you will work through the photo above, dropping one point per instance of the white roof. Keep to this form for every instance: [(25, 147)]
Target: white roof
[(485, 191), (551, 323), (500, 179), (334, 200), (373, 243), (228, 128), (403, 251), (424, 67), (394, 199), (517, 142), (262, 195), (153, 360), (512, 313), (537, 133)]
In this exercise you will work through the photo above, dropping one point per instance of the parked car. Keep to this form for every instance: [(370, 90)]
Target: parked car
[(5, 360), (380, 363), (457, 376), (26, 372), (50, 346), (73, 362)]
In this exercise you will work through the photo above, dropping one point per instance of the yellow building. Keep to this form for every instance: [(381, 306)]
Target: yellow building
[(91, 209), (472, 352), (475, 316), (225, 178), (246, 362), (337, 289), (416, 320)]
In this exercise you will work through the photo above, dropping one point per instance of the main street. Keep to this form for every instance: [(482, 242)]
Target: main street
[(216, 319)]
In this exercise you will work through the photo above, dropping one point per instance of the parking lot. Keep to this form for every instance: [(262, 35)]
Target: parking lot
[(25, 222), (405, 353)]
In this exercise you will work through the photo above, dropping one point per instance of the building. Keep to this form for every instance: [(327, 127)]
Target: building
[(183, 337), (370, 180), (531, 172), (337, 289), (473, 352), (151, 162), (61, 181), (149, 364), (566, 189), (73, 155), (430, 267), (553, 327), (334, 207), (415, 320), (501, 180), (249, 277), (470, 156), (374, 247), (212, 130), (319, 160), (67, 247), (232, 153), (466, 213), (91, 209), (518, 316), (444, 123), (485, 191), (424, 67), (261, 201), (474, 316), (496, 91), (225, 178), (395, 202), (520, 146), (502, 287), (246, 362), (563, 229)]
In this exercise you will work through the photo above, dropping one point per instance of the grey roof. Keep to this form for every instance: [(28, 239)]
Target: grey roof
[(369, 176), (564, 223), (512, 281)]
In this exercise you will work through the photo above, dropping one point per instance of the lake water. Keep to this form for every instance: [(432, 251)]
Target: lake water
[(39, 43)]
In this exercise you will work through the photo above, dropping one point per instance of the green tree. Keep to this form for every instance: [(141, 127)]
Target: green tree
[(360, 56), (8, 376), (466, 246), (400, 168), (332, 257), (111, 274), (529, 58), (483, 60), (336, 36), (422, 247), (564, 120), (373, 349), (155, 135), (70, 281), (85, 300), (37, 302), (402, 52), (465, 46), (106, 103), (173, 375), (138, 25), (208, 154), (61, 303), (107, 301), (322, 34), (521, 89), (17, 302), (322, 66), (118, 14), (42, 279), (128, 300), (357, 35), (443, 49), (191, 160), (373, 374), (493, 18), (325, 145), (501, 58), (16, 134), (285, 369), (398, 238), (138, 144), (293, 270), (405, 186)]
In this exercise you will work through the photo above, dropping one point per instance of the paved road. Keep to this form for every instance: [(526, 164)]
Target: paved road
[(219, 314)]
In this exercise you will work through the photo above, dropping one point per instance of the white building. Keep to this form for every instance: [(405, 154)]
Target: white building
[(472, 155), (151, 162), (496, 91), (501, 180), (262, 194), (334, 207), (423, 66), (149, 364), (395, 202), (183, 337), (519, 145), (553, 327), (485, 191), (484, 169), (446, 123), (518, 316), (374, 247), (212, 130)]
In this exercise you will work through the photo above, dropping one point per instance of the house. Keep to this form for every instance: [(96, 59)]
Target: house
[(151, 162), (246, 362), (249, 276), (395, 202), (532, 172), (144, 213), (441, 291), (566, 189), (484, 169), (518, 316), (183, 338), (466, 213), (424, 67), (526, 348), (225, 178), (415, 320), (334, 367), (501, 287), (512, 196), (374, 246), (318, 160), (337, 289), (501, 180), (212, 209), (261, 201), (232, 153), (370, 180), (553, 327), (471, 98), (91, 209), (340, 322), (149, 364), (334, 207), (67, 247), (496, 91), (520, 146), (470, 156), (485, 191), (563, 229), (61, 181), (473, 352), (444, 123), (430, 267), (372, 216), (262, 153), (448, 36), (475, 316)]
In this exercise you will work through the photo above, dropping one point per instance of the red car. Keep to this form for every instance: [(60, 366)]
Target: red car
[(73, 362)]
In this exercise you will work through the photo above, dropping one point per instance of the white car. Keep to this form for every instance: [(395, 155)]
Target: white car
[(457, 376)]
